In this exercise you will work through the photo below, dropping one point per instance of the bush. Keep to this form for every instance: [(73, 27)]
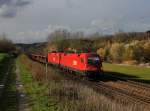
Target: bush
[(116, 52), (138, 52), (147, 51), (101, 52), (6, 45), (128, 53)]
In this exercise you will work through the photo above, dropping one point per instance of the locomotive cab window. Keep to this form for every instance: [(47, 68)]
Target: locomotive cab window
[(94, 60)]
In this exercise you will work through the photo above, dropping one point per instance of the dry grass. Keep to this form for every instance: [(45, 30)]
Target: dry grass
[(76, 97), (68, 95)]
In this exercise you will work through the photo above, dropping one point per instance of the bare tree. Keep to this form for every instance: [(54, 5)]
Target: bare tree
[(6, 45), (59, 39)]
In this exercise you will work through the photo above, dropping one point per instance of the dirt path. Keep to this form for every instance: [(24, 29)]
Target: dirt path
[(22, 98)]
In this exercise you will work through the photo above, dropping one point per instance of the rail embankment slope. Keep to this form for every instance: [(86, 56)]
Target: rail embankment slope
[(59, 93)]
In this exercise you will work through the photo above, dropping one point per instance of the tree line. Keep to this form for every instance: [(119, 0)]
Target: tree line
[(119, 47)]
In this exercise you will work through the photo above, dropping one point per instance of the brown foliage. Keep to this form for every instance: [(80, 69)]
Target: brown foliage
[(6, 45), (36, 69)]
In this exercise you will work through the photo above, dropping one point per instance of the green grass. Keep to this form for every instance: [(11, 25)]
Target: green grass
[(37, 93), (136, 72), (2, 56)]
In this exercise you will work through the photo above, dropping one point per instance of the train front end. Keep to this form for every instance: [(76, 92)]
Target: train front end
[(93, 65)]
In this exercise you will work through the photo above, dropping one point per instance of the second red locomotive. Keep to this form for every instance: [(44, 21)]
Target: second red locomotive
[(86, 64)]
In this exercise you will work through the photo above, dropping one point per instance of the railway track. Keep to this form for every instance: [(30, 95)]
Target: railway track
[(124, 92), (4, 80), (136, 89), (127, 92), (118, 94)]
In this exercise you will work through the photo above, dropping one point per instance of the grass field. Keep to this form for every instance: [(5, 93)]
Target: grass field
[(37, 94), (134, 72)]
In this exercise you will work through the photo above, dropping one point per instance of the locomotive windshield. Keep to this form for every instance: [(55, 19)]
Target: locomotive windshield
[(94, 60)]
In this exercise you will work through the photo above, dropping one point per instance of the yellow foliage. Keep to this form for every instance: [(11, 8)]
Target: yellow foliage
[(52, 47), (116, 51), (101, 52)]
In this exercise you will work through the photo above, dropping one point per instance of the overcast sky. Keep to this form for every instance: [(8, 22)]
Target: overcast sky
[(32, 20)]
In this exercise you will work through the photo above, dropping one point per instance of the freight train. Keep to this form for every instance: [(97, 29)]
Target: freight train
[(84, 64)]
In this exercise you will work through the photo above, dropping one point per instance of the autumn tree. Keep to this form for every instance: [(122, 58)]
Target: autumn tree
[(101, 52), (128, 53), (146, 48), (58, 40), (116, 52)]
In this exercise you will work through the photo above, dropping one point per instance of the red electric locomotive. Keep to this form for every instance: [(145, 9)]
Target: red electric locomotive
[(86, 64)]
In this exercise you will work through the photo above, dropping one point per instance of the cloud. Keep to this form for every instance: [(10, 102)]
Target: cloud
[(104, 16), (103, 26), (69, 3), (38, 35), (9, 8)]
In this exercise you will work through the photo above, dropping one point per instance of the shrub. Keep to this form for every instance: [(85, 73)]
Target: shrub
[(147, 51), (116, 52), (6, 45)]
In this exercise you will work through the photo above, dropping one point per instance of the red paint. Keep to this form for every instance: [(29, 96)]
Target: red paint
[(79, 62), (74, 61), (54, 58)]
